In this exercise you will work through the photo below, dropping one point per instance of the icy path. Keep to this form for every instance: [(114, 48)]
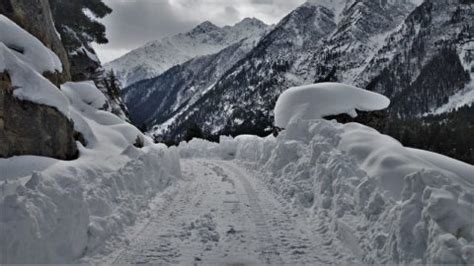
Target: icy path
[(223, 215)]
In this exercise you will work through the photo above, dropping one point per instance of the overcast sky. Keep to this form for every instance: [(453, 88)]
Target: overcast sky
[(135, 22)]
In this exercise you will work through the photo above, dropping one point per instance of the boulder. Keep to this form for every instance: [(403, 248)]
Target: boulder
[(28, 128)]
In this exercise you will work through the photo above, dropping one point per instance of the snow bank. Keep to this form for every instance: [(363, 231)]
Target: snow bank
[(324, 99), (27, 47), (386, 203), (56, 211)]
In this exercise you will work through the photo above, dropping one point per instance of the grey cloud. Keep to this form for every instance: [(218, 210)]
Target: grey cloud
[(133, 23), (262, 2), (231, 13)]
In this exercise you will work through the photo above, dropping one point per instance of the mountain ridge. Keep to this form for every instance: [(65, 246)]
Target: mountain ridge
[(156, 57)]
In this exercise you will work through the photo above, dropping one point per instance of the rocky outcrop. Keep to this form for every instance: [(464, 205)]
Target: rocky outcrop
[(35, 17), (28, 128)]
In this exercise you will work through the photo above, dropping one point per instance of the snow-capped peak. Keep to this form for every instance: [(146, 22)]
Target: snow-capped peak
[(156, 57), (204, 27), (250, 22)]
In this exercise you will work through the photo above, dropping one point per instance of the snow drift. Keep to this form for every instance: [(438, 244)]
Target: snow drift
[(27, 47), (54, 211), (386, 203), (324, 99)]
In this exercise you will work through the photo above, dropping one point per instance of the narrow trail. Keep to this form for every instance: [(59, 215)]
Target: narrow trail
[(223, 215)]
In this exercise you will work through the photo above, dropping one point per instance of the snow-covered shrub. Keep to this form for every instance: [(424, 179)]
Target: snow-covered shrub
[(324, 99)]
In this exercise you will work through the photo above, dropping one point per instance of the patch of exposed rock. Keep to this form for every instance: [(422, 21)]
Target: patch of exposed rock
[(28, 128)]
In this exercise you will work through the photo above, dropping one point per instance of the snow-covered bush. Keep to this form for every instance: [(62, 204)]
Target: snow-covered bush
[(324, 99), (54, 211)]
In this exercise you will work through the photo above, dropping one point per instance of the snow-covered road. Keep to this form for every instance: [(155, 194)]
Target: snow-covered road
[(225, 215)]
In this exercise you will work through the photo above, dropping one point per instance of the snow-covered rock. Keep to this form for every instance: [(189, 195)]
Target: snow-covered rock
[(27, 47), (54, 211), (158, 56), (28, 83), (25, 59), (324, 99)]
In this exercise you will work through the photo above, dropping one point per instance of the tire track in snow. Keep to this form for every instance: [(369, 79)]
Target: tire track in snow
[(268, 248), (300, 239), (162, 249), (226, 215)]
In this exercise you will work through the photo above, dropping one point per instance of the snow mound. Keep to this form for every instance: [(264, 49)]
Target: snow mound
[(386, 203), (325, 99), (25, 58), (27, 47), (86, 92), (28, 84), (56, 211), (384, 157)]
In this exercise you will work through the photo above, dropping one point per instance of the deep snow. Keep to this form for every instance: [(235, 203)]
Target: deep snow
[(27, 47), (325, 99), (54, 211), (386, 203)]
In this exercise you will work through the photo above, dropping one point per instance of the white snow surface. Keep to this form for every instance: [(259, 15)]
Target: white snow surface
[(54, 211), (386, 203), (27, 47), (28, 84), (324, 99), (58, 211)]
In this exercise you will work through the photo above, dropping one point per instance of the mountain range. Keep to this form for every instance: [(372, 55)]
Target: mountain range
[(418, 53), (156, 57)]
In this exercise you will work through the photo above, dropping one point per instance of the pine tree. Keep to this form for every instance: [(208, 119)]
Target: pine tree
[(193, 131), (73, 15), (112, 84)]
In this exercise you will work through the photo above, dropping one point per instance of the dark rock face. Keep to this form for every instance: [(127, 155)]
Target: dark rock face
[(31, 129), (35, 17), (27, 128)]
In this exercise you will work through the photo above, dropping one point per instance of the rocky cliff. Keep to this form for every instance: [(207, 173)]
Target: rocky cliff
[(28, 128)]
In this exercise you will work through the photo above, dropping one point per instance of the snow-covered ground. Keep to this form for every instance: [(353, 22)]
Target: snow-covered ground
[(319, 193), (381, 202), (384, 202), (223, 214)]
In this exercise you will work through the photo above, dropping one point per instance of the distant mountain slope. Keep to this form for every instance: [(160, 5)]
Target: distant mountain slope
[(156, 100), (427, 60), (320, 40), (158, 56)]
